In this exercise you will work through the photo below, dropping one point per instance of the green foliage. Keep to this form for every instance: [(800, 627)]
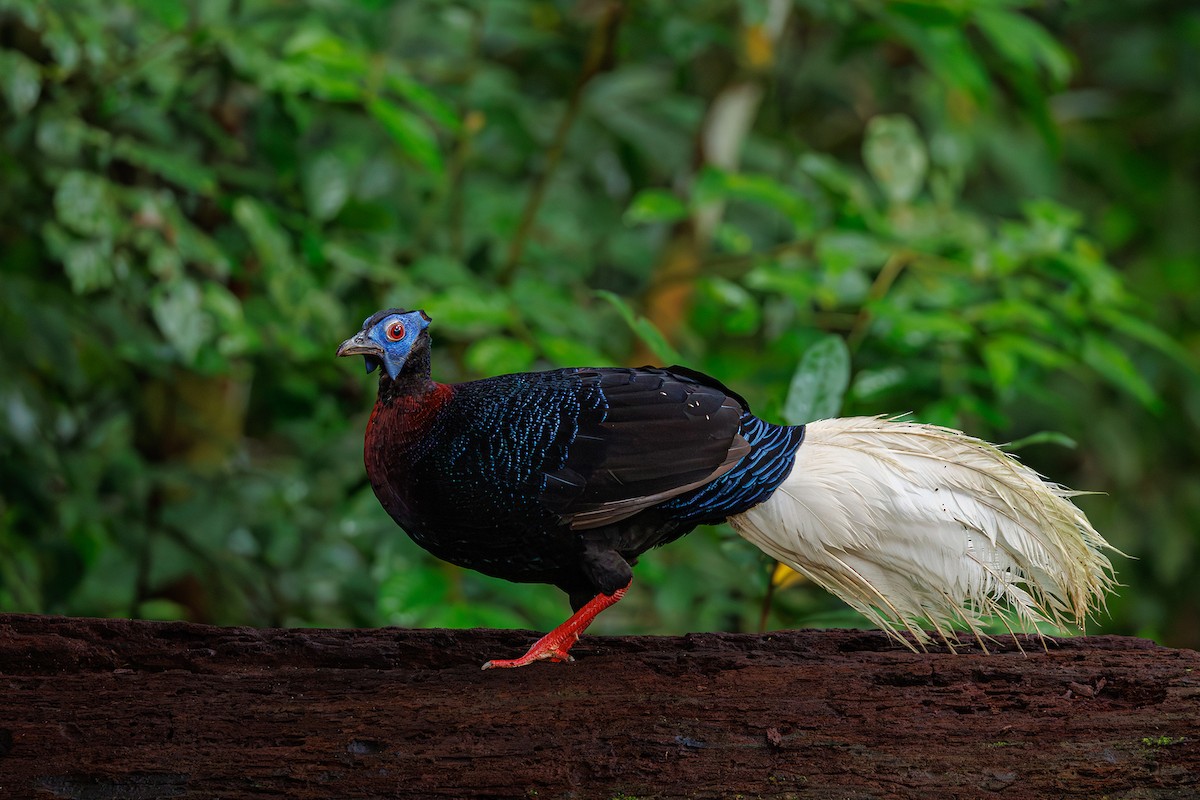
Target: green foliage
[(940, 208), (819, 385)]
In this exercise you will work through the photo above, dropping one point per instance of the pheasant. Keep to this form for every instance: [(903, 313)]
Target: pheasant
[(567, 476)]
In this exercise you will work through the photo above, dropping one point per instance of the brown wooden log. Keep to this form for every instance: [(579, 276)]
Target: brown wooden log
[(107, 709)]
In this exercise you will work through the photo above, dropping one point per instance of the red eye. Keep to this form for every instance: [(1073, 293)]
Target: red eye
[(395, 332)]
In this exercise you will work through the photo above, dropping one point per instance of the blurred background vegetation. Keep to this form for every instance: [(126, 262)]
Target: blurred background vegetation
[(992, 207)]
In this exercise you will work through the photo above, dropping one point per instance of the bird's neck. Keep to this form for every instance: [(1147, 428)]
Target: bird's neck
[(414, 380)]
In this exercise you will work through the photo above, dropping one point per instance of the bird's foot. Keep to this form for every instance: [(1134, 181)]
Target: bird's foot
[(552, 647), (555, 644)]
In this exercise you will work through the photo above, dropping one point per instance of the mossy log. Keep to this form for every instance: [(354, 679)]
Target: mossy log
[(108, 709)]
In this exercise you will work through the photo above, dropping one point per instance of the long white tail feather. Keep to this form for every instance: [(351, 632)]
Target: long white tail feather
[(909, 522)]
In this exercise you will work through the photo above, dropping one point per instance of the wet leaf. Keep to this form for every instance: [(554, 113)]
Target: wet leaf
[(819, 383), (22, 81), (60, 137), (896, 157), (88, 264), (177, 311), (84, 204)]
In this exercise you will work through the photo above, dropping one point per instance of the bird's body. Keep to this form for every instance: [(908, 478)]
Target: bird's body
[(567, 476), (544, 477)]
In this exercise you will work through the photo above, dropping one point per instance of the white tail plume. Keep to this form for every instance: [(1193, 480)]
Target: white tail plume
[(909, 522)]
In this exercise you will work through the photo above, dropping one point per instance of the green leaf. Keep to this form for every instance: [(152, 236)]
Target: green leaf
[(178, 168), (869, 384), (644, 329), (1042, 437), (828, 171), (655, 205), (1024, 42), (784, 278), (326, 186), (1038, 352), (564, 352), (1002, 362), (441, 271), (60, 137), (234, 335), (88, 264), (405, 593), (839, 251), (411, 133), (84, 204), (317, 44), (173, 16), (895, 156), (194, 245), (424, 98), (715, 185), (177, 311), (946, 51), (1147, 333), (161, 608), (1111, 362), (498, 355), (732, 238), (820, 382), (468, 312), (21, 80), (1046, 213), (742, 315), (270, 243)]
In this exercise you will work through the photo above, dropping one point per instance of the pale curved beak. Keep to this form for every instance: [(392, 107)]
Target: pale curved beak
[(359, 345)]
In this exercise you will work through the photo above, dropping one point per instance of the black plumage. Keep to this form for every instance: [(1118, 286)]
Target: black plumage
[(565, 476)]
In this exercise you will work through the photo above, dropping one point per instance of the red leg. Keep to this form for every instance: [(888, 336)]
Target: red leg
[(555, 644)]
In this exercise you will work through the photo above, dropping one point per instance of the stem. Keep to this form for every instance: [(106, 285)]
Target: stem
[(767, 599), (879, 289), (599, 59), (734, 265), (472, 122)]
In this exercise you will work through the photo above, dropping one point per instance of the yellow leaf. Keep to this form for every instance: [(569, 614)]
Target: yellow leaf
[(758, 48), (785, 576)]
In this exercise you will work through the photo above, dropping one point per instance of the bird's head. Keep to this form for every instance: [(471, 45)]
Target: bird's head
[(388, 338)]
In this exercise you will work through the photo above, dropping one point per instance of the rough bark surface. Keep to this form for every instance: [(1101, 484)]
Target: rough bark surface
[(107, 709)]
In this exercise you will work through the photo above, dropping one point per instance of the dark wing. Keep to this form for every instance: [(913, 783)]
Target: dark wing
[(653, 435)]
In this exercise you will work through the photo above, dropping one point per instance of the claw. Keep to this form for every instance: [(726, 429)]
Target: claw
[(554, 646)]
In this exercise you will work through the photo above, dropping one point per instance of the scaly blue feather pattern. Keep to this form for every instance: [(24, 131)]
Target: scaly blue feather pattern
[(753, 480)]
